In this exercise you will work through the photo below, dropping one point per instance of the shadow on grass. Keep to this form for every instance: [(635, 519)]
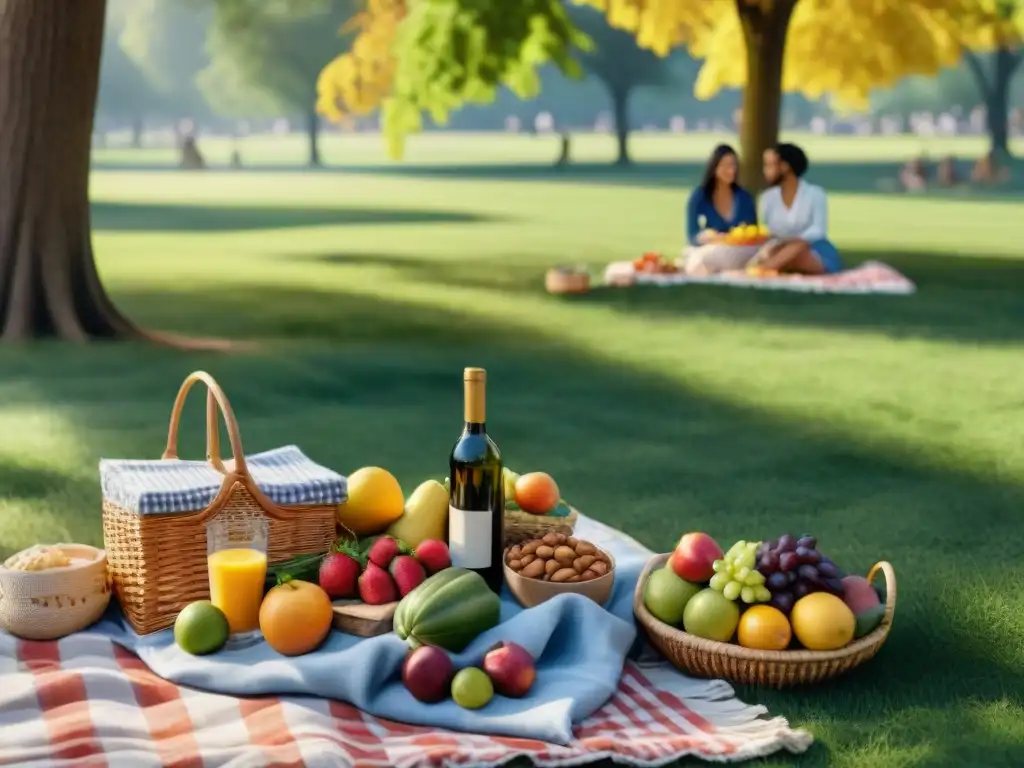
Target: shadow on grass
[(841, 177), (975, 299), (365, 380), (140, 217)]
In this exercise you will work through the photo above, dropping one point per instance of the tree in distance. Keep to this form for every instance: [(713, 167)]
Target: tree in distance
[(266, 58), (621, 65)]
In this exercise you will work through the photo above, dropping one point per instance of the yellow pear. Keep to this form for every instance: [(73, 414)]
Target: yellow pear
[(426, 515)]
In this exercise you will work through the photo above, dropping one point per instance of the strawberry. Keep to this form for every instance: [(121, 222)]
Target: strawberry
[(433, 555), (407, 573), (384, 550), (376, 587), (338, 572)]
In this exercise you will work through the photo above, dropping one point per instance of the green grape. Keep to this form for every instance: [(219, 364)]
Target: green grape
[(720, 566), (719, 581), (732, 590), (762, 594), (754, 579), (740, 574), (747, 593)]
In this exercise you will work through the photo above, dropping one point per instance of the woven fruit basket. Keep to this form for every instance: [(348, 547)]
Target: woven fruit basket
[(522, 526), (777, 669)]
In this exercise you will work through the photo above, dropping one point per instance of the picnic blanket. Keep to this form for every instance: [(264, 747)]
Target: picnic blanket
[(136, 701), (870, 277)]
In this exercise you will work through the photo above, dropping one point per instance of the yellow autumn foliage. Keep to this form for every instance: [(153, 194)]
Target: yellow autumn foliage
[(357, 81), (844, 48)]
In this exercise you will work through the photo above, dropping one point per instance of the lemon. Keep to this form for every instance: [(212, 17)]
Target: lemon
[(375, 500), (822, 622), (201, 628), (765, 628)]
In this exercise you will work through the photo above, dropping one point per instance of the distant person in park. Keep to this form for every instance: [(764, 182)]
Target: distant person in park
[(719, 203), (796, 214), (914, 175)]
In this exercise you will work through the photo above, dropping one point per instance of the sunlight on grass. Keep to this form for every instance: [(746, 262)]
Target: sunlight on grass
[(887, 426)]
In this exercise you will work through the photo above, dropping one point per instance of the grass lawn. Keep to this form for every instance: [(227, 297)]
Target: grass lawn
[(889, 427)]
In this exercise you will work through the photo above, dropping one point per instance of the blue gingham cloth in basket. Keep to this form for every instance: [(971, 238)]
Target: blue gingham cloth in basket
[(161, 486)]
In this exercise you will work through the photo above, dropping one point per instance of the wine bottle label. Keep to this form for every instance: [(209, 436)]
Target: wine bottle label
[(469, 537)]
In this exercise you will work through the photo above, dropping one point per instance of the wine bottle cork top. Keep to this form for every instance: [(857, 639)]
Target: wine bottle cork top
[(474, 374)]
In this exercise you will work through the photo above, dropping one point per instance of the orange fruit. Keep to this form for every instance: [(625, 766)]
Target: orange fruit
[(765, 628), (537, 493), (822, 622), (295, 617)]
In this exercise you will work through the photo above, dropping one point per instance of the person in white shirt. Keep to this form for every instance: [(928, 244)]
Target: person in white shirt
[(796, 215)]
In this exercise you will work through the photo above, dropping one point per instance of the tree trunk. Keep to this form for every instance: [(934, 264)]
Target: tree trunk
[(49, 73), (995, 92), (764, 34), (620, 114), (313, 132), (138, 128)]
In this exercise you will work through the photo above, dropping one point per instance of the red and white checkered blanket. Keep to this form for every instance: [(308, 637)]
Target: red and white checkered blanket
[(869, 277), (84, 702)]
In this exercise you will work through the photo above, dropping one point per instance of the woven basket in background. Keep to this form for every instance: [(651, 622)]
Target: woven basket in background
[(522, 526)]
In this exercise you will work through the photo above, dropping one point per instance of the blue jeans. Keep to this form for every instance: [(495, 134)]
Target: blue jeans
[(827, 255)]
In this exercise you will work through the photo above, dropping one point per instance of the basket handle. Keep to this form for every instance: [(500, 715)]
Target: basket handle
[(890, 586), (215, 400)]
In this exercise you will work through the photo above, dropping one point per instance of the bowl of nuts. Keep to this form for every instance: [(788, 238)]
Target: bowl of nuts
[(540, 569)]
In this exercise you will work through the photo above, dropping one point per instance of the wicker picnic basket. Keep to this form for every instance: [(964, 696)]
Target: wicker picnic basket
[(778, 669), (522, 526), (157, 562)]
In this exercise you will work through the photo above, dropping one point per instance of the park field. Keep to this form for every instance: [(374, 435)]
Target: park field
[(890, 427)]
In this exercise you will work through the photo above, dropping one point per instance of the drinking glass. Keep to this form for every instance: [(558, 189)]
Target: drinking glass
[(236, 555)]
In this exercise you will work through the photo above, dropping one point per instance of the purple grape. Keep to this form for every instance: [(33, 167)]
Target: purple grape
[(769, 563), (783, 601), (777, 582), (828, 569), (801, 589), (772, 545), (807, 541), (835, 586), (787, 543), (761, 549), (808, 573), (810, 556), (791, 575), (788, 561)]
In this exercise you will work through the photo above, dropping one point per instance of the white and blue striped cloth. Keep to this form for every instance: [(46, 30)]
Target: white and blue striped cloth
[(162, 486)]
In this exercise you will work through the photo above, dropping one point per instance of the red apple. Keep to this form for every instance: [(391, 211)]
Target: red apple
[(693, 557), (427, 673), (511, 669)]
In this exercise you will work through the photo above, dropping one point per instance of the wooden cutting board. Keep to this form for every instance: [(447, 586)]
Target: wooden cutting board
[(354, 617)]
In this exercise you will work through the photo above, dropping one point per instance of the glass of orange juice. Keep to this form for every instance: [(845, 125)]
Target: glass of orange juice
[(236, 555)]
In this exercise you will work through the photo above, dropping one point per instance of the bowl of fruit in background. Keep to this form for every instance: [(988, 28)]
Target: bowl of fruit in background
[(776, 613)]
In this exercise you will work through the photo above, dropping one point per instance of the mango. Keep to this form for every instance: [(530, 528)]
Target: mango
[(868, 621)]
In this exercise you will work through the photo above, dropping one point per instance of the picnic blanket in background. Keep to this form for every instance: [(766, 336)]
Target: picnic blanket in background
[(84, 702), (867, 278)]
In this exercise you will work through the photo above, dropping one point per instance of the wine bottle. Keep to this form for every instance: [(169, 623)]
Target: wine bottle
[(476, 505)]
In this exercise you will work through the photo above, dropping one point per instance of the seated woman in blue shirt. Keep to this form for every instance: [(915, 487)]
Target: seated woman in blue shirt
[(719, 203)]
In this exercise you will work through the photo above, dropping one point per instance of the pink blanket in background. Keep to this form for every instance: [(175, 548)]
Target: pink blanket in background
[(871, 277)]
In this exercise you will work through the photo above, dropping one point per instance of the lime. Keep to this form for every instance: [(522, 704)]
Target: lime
[(472, 688), (201, 628), (666, 595)]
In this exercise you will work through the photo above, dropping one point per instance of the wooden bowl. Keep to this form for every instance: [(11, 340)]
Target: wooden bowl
[(778, 669), (531, 592), (56, 602)]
